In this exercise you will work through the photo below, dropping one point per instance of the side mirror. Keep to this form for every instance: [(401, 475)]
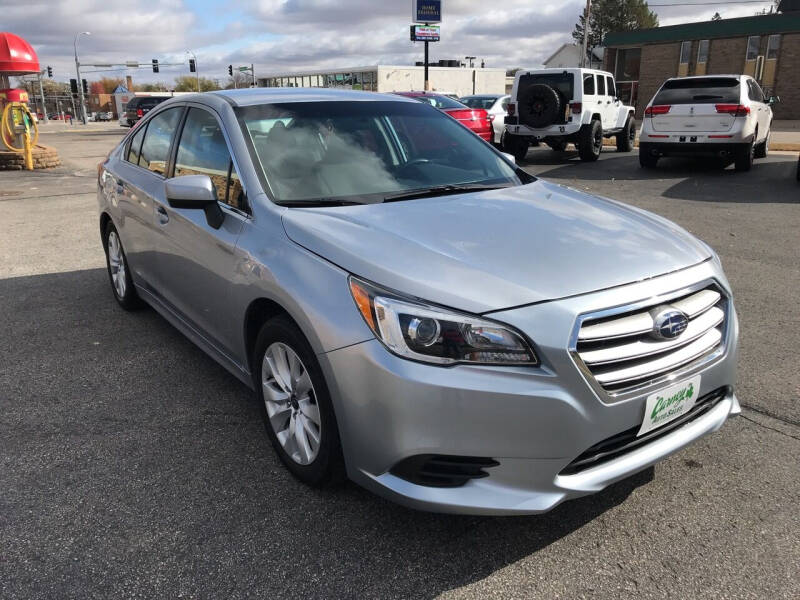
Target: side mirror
[(195, 192), (510, 157), (774, 99)]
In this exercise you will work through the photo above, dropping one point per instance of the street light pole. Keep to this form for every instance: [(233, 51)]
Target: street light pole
[(196, 70), (78, 71)]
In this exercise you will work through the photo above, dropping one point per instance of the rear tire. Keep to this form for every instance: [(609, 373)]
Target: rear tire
[(316, 462), (119, 273), (590, 141), (627, 136), (744, 157), (647, 160), (762, 149), (516, 145)]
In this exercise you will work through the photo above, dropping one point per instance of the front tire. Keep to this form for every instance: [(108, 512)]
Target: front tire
[(627, 136), (119, 274), (590, 141), (295, 404)]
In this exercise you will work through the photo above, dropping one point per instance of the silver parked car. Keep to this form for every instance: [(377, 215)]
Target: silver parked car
[(496, 105), (412, 310)]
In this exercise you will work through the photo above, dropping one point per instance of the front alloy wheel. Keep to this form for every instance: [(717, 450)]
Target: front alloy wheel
[(118, 272), (291, 403)]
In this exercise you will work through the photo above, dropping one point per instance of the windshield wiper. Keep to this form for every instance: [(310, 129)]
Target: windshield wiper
[(442, 190), (316, 202)]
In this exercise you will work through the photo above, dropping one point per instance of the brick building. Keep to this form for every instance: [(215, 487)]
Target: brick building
[(765, 46)]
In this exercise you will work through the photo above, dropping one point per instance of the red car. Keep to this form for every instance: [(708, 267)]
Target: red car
[(475, 119)]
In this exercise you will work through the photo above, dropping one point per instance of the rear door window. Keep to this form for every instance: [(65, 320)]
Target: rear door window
[(588, 85), (157, 140), (135, 147), (702, 90)]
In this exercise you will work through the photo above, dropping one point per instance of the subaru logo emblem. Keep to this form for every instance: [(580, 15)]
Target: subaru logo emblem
[(668, 323)]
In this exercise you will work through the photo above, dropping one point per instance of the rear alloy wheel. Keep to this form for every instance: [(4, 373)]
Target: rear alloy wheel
[(762, 149), (744, 157), (296, 406), (590, 141), (627, 137), (118, 272)]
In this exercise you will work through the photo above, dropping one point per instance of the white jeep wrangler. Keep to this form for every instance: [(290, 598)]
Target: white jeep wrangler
[(559, 106)]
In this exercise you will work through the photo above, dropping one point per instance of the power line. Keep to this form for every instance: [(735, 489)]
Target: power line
[(711, 3)]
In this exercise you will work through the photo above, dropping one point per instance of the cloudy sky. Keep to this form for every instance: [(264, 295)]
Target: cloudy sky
[(280, 35)]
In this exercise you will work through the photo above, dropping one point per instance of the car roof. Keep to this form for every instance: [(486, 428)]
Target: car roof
[(255, 96)]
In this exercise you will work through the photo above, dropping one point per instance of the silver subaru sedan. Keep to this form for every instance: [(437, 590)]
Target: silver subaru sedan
[(412, 310)]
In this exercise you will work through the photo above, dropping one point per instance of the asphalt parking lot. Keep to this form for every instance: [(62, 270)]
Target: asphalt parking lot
[(132, 465)]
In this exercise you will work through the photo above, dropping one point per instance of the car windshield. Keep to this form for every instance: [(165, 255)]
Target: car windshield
[(707, 90), (485, 102), (366, 152)]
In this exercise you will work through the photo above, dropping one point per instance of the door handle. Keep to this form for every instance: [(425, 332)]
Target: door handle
[(599, 101), (163, 217), (609, 102)]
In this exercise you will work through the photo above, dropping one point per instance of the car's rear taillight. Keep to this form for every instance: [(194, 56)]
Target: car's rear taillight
[(512, 109), (576, 107), (658, 109), (737, 110), (139, 112)]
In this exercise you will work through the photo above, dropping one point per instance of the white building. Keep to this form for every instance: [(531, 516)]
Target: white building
[(569, 55), (460, 81)]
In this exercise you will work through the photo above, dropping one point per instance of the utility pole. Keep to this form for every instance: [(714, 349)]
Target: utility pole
[(41, 93), (586, 32), (253, 73), (427, 83), (78, 72)]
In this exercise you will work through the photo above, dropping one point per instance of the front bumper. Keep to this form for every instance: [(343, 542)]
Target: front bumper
[(533, 421)]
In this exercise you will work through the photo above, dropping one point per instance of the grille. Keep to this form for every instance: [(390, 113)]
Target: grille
[(437, 470), (624, 442), (621, 352)]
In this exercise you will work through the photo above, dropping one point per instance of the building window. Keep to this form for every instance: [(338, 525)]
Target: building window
[(702, 51), (773, 45), (753, 44), (628, 61), (686, 50)]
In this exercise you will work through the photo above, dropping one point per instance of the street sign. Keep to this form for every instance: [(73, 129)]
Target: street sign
[(132, 63), (424, 33), (243, 69), (426, 11)]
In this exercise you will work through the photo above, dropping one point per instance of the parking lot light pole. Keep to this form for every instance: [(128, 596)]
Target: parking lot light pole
[(78, 72), (44, 104)]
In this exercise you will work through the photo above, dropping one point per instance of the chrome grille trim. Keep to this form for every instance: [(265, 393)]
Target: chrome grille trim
[(619, 358)]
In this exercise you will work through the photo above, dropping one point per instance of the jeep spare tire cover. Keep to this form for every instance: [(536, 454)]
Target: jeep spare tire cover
[(539, 105)]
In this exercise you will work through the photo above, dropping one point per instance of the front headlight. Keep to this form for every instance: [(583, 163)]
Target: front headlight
[(431, 334)]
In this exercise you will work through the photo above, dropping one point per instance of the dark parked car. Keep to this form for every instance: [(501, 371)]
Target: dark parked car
[(140, 106)]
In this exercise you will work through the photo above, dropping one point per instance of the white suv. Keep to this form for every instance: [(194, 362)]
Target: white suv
[(720, 115), (559, 106)]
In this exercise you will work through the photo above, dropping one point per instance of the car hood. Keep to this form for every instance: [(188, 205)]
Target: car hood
[(486, 251)]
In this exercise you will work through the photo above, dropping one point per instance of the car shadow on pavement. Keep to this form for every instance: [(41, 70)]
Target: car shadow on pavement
[(771, 180), (132, 461)]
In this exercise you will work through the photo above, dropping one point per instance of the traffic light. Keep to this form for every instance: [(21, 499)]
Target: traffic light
[(155, 65), (192, 67), (50, 72), (230, 70), (73, 86), (85, 85)]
